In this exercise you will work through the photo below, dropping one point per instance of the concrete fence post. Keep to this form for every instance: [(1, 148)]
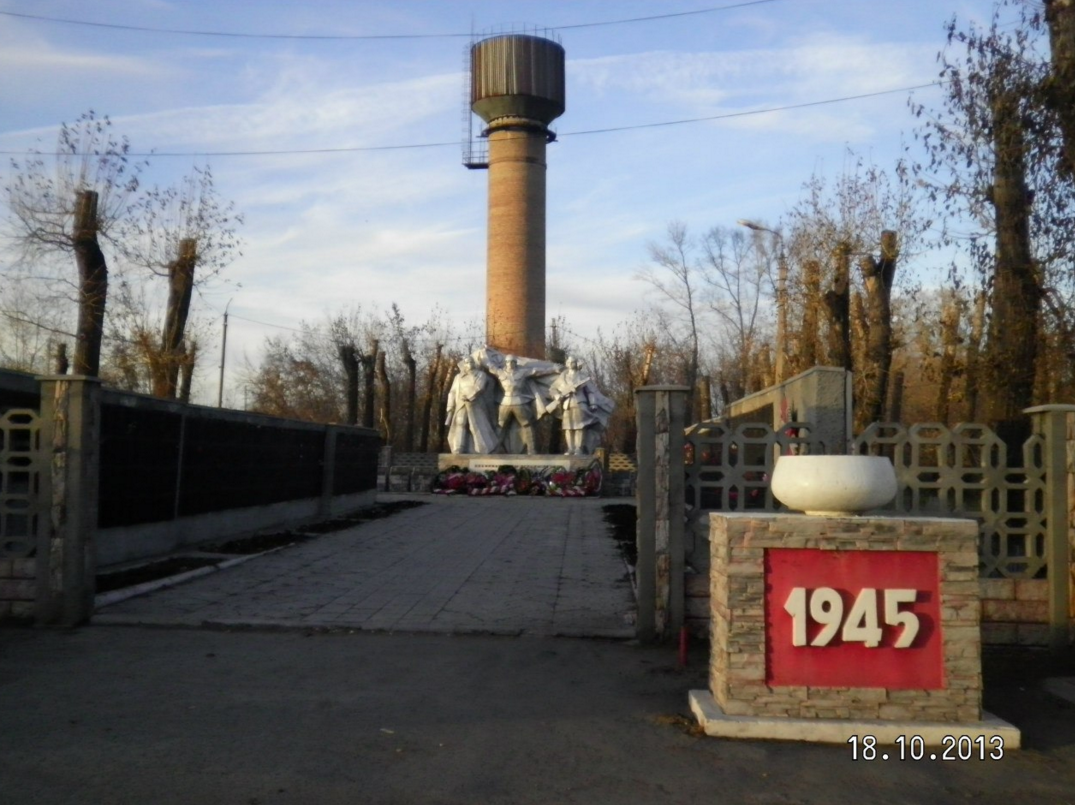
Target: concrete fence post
[(70, 437), (660, 413), (1056, 424)]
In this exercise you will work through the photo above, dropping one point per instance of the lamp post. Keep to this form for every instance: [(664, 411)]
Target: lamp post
[(780, 368), (223, 352)]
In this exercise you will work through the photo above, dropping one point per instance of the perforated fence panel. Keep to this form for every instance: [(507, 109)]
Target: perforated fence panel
[(965, 472), (942, 472), (21, 467), (729, 466)]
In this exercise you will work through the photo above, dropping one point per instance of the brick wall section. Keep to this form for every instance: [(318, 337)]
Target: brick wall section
[(737, 669), (18, 589), (1015, 611), (696, 583)]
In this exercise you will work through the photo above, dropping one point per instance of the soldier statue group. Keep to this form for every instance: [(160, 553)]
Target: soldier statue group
[(494, 401)]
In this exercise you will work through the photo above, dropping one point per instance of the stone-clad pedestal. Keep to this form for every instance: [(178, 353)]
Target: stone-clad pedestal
[(825, 628), (484, 463)]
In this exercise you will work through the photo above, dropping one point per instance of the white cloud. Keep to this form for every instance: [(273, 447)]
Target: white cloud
[(703, 82)]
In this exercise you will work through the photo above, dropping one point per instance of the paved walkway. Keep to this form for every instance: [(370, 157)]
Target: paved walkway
[(540, 566)]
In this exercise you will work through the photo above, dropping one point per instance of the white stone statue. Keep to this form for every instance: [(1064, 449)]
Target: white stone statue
[(470, 410), (521, 400), (583, 409), (486, 417)]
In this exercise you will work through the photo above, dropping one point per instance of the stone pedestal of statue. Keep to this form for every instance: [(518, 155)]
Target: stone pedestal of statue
[(492, 461)]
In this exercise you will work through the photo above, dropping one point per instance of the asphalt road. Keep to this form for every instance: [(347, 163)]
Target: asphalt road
[(110, 714)]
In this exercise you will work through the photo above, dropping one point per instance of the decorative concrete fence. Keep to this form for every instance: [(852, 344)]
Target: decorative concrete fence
[(1025, 508), (92, 476)]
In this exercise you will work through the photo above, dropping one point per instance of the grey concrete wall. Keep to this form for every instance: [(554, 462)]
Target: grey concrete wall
[(820, 396)]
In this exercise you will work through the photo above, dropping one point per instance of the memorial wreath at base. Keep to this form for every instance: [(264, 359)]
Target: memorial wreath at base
[(508, 480)]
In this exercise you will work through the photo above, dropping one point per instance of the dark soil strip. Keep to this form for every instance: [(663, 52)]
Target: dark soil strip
[(622, 516), (365, 515), (106, 582)]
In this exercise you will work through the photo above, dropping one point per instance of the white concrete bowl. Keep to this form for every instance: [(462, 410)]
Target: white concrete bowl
[(833, 485)]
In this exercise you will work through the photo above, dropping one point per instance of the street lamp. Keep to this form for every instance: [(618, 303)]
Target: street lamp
[(780, 369), (223, 353)]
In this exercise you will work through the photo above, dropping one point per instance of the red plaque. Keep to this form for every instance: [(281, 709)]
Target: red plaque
[(864, 619)]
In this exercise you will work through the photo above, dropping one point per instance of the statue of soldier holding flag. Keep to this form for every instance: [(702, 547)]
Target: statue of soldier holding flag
[(583, 409)]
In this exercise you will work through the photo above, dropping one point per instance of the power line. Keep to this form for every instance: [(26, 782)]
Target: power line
[(631, 127), (362, 37), (265, 323), (270, 152), (728, 115)]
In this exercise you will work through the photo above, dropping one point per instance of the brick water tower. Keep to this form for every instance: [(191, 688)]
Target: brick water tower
[(517, 88)]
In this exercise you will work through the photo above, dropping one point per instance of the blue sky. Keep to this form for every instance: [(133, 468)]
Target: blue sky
[(408, 226)]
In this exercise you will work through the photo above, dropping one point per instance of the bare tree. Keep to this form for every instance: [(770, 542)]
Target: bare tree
[(838, 306), (187, 236), (70, 203), (878, 274), (349, 359), (997, 160), (735, 271), (677, 279), (433, 371), (1060, 86), (857, 215)]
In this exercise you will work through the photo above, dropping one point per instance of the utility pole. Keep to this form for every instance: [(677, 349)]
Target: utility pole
[(223, 352), (780, 364)]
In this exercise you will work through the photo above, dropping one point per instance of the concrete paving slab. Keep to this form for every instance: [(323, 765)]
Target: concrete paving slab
[(542, 566)]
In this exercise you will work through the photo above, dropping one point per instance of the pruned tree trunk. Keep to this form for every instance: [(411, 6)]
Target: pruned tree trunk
[(860, 335), (725, 391), (705, 398), (1060, 17), (808, 339), (165, 370), (385, 415), (972, 373), (186, 374), (838, 306), (895, 406), (878, 275), (411, 394), (349, 359), (647, 364), (949, 344), (1011, 349), (62, 363), (92, 286), (369, 362), (427, 405), (444, 385), (761, 373)]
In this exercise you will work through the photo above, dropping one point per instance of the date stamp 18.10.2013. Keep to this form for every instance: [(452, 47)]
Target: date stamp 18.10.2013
[(914, 747)]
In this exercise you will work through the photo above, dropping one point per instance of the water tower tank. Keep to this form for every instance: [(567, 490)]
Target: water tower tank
[(517, 75), (517, 88)]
